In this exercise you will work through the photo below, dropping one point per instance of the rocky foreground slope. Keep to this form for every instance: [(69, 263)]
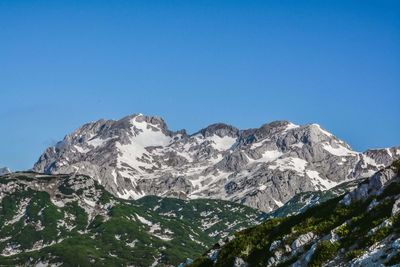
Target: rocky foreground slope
[(70, 220), (361, 228), (262, 168)]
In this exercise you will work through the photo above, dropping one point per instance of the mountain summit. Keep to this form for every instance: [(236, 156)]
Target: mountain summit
[(263, 168)]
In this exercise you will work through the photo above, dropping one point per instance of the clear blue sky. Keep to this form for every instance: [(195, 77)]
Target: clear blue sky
[(64, 63)]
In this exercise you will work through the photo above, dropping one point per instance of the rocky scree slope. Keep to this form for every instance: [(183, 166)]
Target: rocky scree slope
[(71, 220), (361, 228), (262, 168)]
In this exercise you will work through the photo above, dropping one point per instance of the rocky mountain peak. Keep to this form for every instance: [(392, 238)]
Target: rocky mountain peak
[(152, 121), (279, 125), (263, 168), (219, 129), (266, 130)]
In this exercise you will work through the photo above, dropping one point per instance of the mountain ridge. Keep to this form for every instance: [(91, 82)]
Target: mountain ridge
[(260, 167)]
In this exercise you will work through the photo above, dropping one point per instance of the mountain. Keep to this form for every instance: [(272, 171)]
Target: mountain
[(360, 228), (4, 170), (305, 200), (262, 168), (71, 220)]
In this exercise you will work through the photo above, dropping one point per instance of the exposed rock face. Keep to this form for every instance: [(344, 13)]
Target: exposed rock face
[(302, 240), (372, 186), (261, 168), (239, 262), (396, 208)]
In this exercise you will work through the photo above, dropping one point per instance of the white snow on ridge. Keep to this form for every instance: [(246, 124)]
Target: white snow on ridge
[(147, 136), (130, 153), (322, 130), (389, 152), (291, 126), (338, 151)]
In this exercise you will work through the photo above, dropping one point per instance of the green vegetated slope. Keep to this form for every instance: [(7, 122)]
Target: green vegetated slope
[(72, 221), (338, 232), (305, 200)]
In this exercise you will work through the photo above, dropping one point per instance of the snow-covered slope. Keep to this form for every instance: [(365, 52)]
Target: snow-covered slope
[(262, 168)]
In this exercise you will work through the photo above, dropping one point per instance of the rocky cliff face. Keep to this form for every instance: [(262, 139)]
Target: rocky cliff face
[(262, 168)]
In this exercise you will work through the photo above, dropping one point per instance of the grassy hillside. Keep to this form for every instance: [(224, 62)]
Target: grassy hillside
[(73, 221)]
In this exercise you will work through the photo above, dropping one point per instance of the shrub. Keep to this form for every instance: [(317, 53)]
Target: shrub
[(343, 230), (202, 262), (354, 254), (396, 165), (324, 251)]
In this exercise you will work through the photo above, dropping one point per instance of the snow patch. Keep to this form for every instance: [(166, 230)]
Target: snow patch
[(317, 181), (132, 244), (130, 194), (114, 175), (368, 161), (296, 164), (98, 142), (222, 143), (136, 149), (262, 187), (299, 145), (89, 202), (258, 144), (277, 202), (338, 151), (389, 152), (268, 156), (291, 126), (143, 220)]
